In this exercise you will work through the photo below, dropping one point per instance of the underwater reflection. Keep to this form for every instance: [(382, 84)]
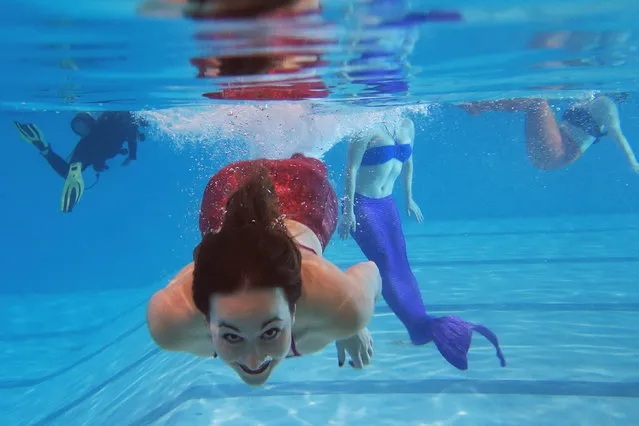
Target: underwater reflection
[(289, 71), (588, 48), (224, 9)]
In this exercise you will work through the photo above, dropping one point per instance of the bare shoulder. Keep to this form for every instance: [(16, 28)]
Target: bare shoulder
[(605, 111), (171, 313), (321, 281), (603, 105), (336, 299)]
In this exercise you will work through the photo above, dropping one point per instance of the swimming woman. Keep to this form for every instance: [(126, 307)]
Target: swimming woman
[(551, 145), (259, 289), (374, 162)]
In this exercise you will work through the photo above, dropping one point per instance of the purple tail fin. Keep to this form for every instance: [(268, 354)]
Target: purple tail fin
[(379, 235), (453, 335)]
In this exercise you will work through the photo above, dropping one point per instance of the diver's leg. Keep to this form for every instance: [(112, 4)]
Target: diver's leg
[(58, 163), (33, 135)]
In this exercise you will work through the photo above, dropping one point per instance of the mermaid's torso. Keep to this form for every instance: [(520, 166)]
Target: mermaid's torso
[(381, 165)]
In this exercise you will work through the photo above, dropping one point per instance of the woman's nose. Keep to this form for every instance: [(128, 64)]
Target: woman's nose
[(255, 358)]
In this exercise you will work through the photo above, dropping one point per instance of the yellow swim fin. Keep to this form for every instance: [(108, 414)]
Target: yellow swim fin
[(30, 133), (73, 188)]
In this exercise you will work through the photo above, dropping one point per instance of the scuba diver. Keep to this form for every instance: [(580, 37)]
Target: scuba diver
[(102, 138)]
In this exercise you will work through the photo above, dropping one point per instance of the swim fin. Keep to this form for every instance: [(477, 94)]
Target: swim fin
[(30, 133), (73, 188), (452, 336)]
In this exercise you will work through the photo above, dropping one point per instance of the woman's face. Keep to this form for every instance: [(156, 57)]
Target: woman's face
[(252, 331)]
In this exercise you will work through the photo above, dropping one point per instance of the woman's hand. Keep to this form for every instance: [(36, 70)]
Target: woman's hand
[(359, 348), (413, 208), (346, 225)]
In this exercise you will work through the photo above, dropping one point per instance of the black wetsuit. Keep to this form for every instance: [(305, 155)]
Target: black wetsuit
[(110, 131)]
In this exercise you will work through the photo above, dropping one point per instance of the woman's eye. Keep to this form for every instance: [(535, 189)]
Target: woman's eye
[(271, 333), (232, 338)]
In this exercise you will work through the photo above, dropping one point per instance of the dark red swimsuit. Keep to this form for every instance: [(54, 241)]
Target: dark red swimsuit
[(301, 184)]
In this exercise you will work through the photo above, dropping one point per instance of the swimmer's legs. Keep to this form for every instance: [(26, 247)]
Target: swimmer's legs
[(548, 148), (379, 235)]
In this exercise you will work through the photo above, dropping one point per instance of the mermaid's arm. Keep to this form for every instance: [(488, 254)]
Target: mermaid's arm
[(407, 170), (356, 149), (407, 178)]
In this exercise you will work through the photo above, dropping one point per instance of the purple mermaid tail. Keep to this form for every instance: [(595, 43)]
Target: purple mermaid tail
[(452, 336), (379, 234)]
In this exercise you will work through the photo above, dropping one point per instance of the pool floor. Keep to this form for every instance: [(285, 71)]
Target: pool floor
[(561, 293)]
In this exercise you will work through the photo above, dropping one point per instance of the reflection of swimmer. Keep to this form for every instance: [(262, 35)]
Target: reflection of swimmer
[(380, 64), (224, 9), (260, 290), (374, 163), (603, 48), (291, 86), (552, 145), (101, 139), (280, 75), (288, 72)]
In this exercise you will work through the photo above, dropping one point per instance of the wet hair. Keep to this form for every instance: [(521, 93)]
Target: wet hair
[(252, 250)]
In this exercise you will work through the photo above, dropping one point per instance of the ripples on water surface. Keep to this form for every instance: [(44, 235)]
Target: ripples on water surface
[(157, 54)]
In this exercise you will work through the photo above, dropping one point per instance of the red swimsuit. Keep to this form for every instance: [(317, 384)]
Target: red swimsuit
[(301, 184)]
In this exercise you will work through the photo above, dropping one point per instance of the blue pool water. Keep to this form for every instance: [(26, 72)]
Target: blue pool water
[(560, 291), (548, 260)]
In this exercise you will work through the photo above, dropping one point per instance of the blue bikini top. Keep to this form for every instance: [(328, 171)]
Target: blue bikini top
[(383, 154)]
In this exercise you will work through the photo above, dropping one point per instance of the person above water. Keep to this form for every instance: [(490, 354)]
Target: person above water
[(374, 161), (259, 289), (101, 139), (551, 145)]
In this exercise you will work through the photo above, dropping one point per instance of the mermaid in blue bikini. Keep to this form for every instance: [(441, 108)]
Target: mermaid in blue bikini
[(374, 162)]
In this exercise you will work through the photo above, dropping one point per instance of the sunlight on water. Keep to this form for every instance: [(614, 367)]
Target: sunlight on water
[(275, 130)]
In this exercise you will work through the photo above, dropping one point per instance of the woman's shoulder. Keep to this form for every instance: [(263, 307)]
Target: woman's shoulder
[(322, 281), (604, 110), (173, 306), (172, 318)]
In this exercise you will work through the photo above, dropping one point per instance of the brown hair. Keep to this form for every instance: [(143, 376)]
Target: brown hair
[(253, 249)]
